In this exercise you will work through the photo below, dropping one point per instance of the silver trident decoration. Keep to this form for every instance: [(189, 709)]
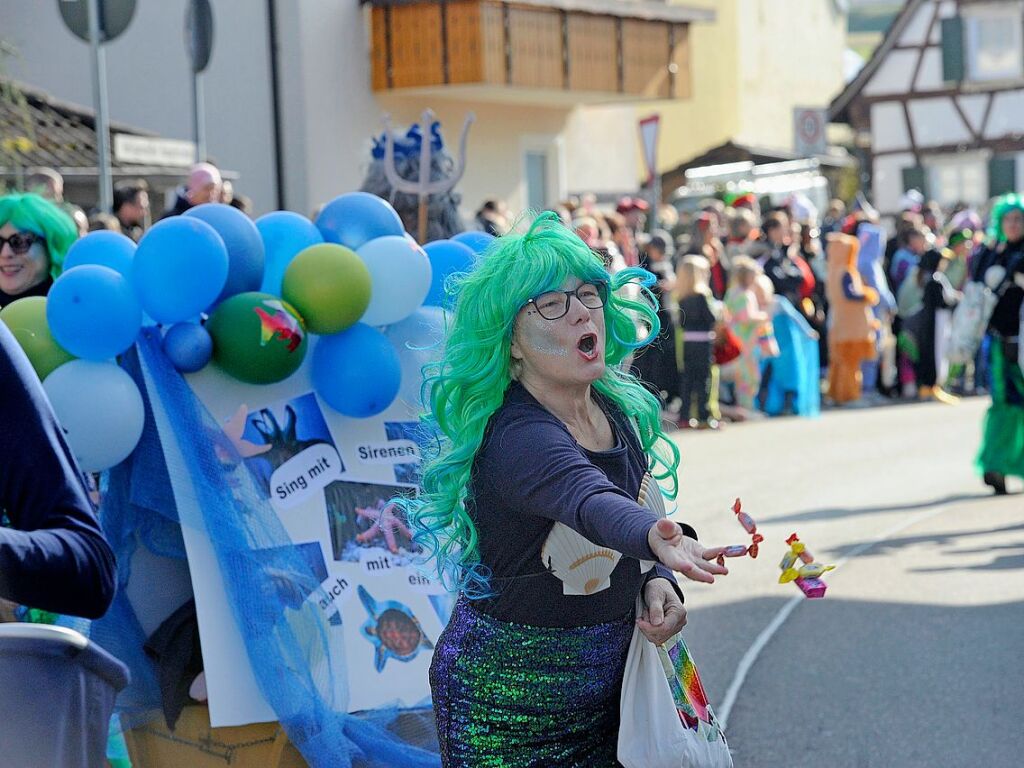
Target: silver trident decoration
[(423, 187)]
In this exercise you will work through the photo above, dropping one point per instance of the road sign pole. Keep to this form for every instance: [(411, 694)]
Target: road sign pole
[(198, 117), (99, 92)]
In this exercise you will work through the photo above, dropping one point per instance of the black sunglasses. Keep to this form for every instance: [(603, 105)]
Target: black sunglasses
[(551, 305), (20, 242)]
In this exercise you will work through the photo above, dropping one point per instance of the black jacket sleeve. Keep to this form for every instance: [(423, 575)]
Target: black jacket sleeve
[(53, 555)]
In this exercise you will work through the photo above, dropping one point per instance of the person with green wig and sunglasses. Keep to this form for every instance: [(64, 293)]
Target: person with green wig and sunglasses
[(1000, 265), (542, 506), (35, 235)]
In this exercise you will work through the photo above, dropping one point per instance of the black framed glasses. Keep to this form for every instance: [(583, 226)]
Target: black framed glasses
[(552, 305), (20, 242)]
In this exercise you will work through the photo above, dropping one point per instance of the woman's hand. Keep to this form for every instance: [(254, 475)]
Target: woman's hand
[(664, 614), (683, 554)]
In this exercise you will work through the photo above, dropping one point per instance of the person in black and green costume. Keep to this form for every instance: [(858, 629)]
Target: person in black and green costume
[(1001, 267)]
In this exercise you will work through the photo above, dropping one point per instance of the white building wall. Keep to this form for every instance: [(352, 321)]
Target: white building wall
[(790, 55), (887, 180)]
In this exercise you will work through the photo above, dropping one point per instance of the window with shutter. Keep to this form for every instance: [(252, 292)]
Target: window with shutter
[(953, 49), (915, 178), (993, 41), (1002, 175)]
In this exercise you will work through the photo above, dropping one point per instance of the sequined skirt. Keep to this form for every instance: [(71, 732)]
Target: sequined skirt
[(515, 696)]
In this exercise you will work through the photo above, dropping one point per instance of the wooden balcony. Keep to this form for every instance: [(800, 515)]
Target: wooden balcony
[(560, 51)]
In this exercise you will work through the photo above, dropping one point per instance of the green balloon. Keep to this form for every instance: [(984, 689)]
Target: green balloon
[(258, 338), (329, 285), (26, 319)]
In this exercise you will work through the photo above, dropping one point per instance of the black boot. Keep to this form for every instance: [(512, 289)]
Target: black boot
[(997, 481)]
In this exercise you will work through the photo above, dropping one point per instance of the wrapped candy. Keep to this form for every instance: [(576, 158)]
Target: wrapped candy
[(806, 576), (809, 571), (738, 550)]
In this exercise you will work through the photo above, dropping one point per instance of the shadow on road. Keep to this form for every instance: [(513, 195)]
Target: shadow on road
[(866, 684), (831, 513), (951, 539)]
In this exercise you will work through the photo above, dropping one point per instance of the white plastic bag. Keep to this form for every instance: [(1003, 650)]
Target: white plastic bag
[(970, 319), (665, 720)]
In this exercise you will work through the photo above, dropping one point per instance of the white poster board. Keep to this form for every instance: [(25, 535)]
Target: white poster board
[(327, 477)]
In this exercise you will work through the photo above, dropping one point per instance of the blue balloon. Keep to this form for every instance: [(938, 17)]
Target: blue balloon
[(356, 372), (242, 239), (356, 218), (99, 408), (284, 234), (108, 249), (478, 241), (93, 313), (188, 346), (447, 258), (180, 267)]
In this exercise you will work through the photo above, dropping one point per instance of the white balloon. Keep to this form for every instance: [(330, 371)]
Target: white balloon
[(100, 409), (400, 271)]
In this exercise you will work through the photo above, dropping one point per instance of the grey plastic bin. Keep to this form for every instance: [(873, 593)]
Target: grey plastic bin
[(57, 692)]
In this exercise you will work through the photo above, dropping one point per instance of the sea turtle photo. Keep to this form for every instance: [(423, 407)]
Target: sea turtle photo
[(393, 630)]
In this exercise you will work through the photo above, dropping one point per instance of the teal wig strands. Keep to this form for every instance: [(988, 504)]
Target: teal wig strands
[(1009, 202), (468, 384), (31, 213)]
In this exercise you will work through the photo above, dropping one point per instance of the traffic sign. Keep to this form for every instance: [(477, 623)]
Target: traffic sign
[(809, 131), (199, 33), (115, 16)]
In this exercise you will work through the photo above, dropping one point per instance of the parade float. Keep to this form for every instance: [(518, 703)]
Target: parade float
[(248, 396)]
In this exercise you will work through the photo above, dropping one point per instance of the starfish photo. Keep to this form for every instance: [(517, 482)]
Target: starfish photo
[(386, 523)]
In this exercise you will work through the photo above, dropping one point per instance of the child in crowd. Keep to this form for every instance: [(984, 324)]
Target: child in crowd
[(697, 319), (746, 319)]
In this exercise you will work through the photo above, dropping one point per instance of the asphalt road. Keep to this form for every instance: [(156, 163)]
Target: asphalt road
[(913, 658)]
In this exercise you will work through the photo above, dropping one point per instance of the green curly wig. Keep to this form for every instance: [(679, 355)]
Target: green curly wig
[(468, 384), (31, 213), (1005, 204)]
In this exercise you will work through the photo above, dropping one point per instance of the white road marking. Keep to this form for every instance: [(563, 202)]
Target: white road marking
[(750, 657)]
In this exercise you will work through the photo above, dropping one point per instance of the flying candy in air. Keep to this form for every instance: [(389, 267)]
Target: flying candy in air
[(739, 550), (806, 575)]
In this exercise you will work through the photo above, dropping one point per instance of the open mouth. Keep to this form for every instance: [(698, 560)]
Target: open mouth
[(10, 270), (587, 346)]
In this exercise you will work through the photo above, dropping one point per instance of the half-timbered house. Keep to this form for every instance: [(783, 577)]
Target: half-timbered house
[(940, 105)]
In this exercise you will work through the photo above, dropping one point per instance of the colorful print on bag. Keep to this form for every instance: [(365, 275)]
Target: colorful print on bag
[(687, 691)]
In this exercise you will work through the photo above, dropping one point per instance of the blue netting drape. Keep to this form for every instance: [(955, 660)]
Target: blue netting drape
[(269, 582)]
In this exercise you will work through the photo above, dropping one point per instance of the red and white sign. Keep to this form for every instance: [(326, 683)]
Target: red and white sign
[(809, 131), (649, 137)]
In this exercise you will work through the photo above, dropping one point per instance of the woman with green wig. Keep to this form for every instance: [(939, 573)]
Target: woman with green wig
[(541, 508), (34, 237), (1001, 266)]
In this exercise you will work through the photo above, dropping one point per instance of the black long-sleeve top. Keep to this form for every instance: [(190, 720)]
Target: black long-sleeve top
[(53, 555), (529, 474)]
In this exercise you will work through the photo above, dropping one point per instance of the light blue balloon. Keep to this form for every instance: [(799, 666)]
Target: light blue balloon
[(419, 340), (356, 372), (108, 249), (447, 257), (242, 239), (478, 241), (188, 346), (284, 234), (93, 313), (180, 267), (100, 409), (400, 271), (356, 218)]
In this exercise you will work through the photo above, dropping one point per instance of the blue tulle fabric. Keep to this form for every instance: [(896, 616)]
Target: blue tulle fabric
[(269, 583)]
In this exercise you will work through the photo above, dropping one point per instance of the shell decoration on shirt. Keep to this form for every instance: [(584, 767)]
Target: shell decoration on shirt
[(583, 567)]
